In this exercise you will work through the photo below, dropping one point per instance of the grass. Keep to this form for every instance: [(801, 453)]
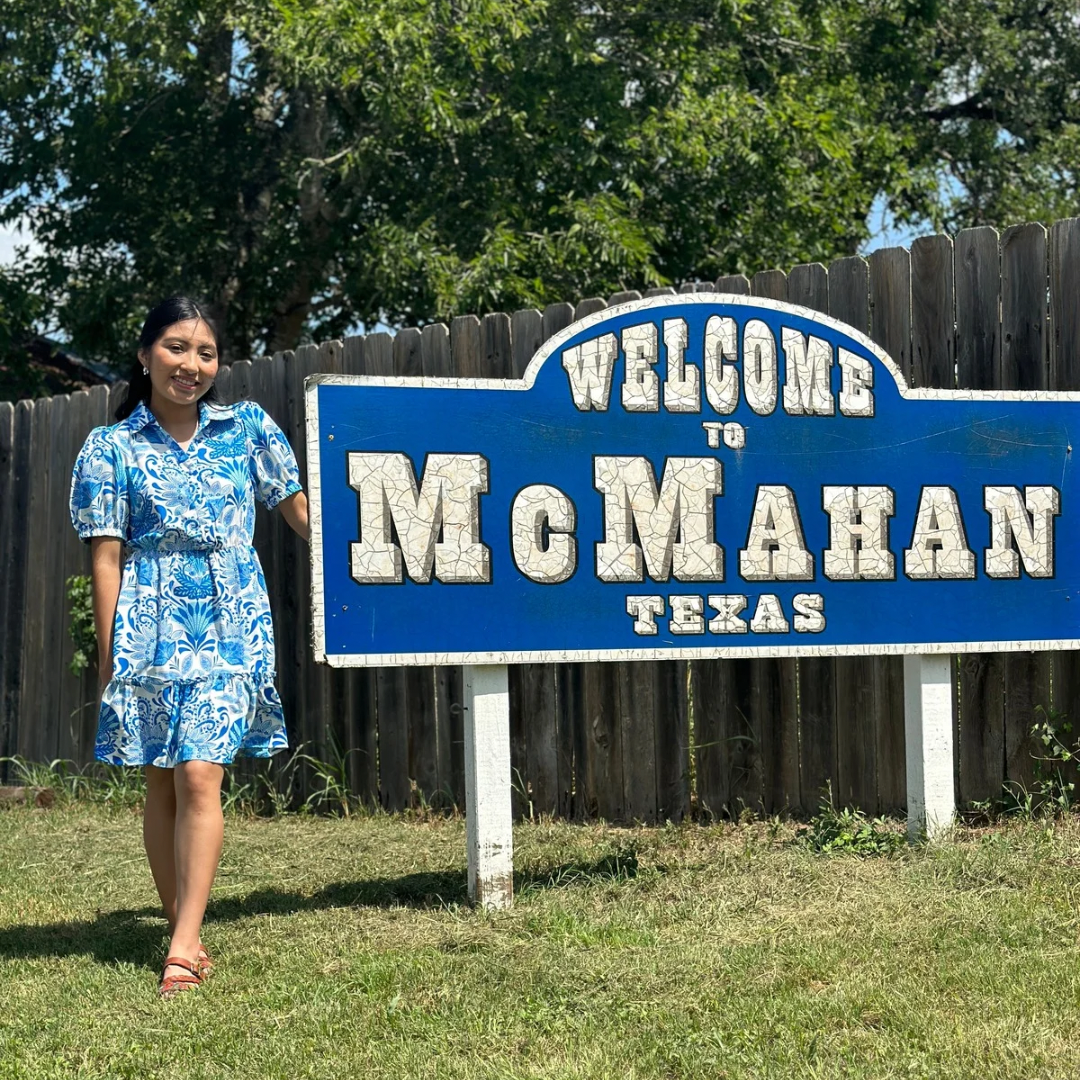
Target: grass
[(345, 948)]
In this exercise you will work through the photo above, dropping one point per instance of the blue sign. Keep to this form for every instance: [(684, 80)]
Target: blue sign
[(689, 476)]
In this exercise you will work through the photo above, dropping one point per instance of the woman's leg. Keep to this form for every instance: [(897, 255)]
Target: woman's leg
[(159, 836), (198, 838)]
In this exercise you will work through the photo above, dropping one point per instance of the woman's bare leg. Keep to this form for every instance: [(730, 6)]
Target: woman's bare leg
[(198, 838), (159, 836)]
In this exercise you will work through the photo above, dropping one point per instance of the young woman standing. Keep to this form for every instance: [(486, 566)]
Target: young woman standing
[(166, 498)]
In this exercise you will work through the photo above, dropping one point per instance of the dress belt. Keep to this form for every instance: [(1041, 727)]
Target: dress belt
[(142, 553)]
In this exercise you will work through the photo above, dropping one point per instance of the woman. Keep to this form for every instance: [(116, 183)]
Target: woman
[(166, 498)]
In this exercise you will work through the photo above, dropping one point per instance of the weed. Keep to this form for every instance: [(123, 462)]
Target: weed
[(1054, 791), (332, 792), (106, 785), (847, 831)]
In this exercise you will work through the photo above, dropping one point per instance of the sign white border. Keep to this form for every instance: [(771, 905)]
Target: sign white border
[(311, 393)]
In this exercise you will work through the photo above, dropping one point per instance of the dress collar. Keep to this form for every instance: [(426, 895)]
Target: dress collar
[(142, 417)]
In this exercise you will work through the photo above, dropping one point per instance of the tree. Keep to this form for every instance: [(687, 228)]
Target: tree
[(311, 164), (984, 101)]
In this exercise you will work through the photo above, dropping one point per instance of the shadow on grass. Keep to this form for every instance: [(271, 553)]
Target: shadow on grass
[(137, 936)]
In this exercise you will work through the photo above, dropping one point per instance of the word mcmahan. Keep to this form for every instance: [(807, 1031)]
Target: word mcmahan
[(430, 529)]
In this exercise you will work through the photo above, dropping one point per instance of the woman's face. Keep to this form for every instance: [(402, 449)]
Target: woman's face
[(182, 362)]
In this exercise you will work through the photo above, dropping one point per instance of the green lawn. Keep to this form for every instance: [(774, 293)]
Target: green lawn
[(345, 949)]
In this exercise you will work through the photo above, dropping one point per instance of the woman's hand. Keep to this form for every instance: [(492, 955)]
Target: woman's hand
[(107, 557), (294, 510)]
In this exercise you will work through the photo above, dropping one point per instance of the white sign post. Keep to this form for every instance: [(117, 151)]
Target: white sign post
[(928, 739), (488, 817)]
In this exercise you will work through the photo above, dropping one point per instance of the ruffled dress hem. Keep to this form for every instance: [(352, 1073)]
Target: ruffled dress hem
[(163, 722)]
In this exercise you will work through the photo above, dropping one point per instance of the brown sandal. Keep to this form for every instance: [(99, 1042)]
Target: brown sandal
[(205, 961), (171, 985)]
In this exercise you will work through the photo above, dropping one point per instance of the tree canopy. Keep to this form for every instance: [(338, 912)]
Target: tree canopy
[(307, 165)]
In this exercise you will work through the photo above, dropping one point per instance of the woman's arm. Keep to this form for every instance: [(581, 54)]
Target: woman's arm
[(294, 510), (106, 553)]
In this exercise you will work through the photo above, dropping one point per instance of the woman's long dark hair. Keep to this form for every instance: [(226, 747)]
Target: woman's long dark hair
[(173, 310)]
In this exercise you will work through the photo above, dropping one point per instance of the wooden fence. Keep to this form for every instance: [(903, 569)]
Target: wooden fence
[(626, 741)]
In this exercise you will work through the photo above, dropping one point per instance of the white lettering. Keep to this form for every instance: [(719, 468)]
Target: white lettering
[(641, 387), (856, 379), (686, 614), (769, 616), (447, 502), (809, 613), (721, 381), (682, 389), (775, 549), (858, 533), (542, 522), (727, 620), (644, 610), (1021, 530), (590, 366), (807, 391), (759, 367), (683, 506), (939, 548)]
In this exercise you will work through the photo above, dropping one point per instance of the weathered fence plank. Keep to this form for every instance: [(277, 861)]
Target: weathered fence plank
[(534, 719), (567, 677), (361, 745), (933, 299), (855, 782), (808, 285), (1064, 374), (436, 360), (56, 742), (771, 708), (73, 560), (981, 721), (1024, 365), (526, 336), (36, 736), (8, 488), (97, 415), (19, 717), (598, 726), (423, 757), (720, 738), (890, 327), (395, 791)]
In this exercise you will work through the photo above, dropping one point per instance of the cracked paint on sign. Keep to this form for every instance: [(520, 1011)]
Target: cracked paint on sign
[(693, 475)]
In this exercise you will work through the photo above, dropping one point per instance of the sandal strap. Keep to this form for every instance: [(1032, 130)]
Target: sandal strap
[(181, 961)]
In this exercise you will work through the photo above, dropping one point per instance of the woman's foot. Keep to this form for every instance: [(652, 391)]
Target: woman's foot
[(205, 961), (177, 975)]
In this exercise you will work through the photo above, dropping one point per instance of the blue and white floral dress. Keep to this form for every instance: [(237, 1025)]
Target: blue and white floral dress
[(193, 644)]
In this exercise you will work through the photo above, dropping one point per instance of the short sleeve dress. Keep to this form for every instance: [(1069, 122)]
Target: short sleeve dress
[(193, 643)]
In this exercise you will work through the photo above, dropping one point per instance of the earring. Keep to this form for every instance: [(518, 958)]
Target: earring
[(146, 371)]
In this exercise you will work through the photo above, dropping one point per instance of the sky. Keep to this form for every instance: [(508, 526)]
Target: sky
[(10, 238)]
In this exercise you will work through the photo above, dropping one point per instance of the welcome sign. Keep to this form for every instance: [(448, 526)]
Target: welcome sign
[(696, 475)]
